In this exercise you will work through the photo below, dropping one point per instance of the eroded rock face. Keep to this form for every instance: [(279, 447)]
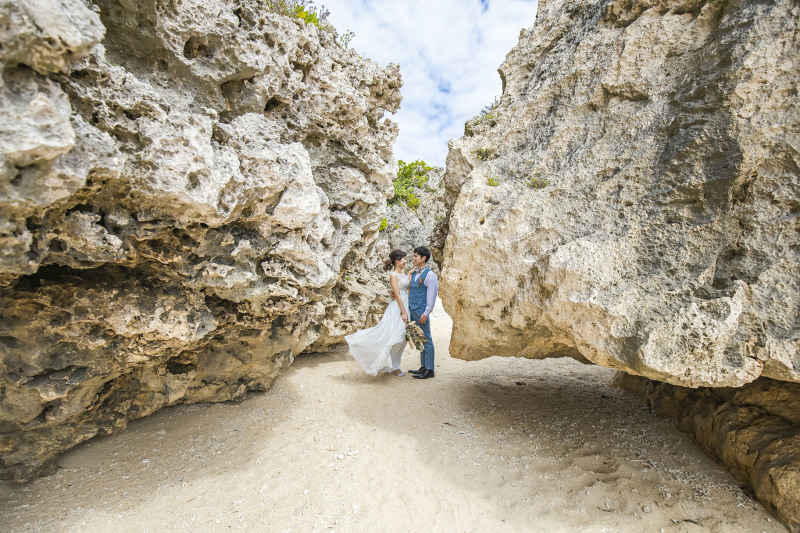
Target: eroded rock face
[(753, 430), (189, 197), (664, 239)]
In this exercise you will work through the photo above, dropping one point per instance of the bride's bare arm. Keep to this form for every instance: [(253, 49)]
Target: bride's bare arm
[(396, 293)]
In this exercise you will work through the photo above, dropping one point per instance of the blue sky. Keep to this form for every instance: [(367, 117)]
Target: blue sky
[(448, 52)]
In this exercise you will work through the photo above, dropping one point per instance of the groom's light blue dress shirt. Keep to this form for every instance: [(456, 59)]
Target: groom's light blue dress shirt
[(432, 284)]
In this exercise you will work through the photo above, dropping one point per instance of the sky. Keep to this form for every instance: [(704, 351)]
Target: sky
[(448, 52)]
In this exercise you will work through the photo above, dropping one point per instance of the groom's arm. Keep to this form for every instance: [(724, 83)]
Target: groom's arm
[(432, 283)]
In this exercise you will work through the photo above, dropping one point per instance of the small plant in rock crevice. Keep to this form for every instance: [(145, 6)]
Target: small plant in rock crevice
[(492, 181), (537, 183), (488, 114), (384, 225), (344, 39), (304, 10), (484, 154)]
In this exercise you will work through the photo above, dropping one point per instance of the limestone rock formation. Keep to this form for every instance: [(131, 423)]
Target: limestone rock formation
[(190, 196), (646, 216), (753, 430), (407, 228)]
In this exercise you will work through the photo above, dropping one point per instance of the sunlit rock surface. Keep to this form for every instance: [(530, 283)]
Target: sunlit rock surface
[(189, 197), (664, 241)]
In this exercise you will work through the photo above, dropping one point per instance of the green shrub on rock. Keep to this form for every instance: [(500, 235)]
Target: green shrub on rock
[(537, 183), (304, 10), (484, 154)]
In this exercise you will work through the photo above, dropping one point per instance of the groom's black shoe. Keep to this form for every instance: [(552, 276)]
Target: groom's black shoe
[(420, 370), (425, 375)]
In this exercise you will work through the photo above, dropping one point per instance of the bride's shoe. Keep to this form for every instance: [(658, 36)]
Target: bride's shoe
[(399, 373)]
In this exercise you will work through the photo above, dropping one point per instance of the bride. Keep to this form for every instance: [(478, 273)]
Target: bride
[(379, 348)]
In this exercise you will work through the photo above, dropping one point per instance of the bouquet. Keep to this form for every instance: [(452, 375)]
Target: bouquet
[(414, 335)]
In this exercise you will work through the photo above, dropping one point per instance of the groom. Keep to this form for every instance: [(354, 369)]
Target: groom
[(421, 299)]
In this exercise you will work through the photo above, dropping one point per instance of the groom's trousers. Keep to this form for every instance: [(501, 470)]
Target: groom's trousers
[(427, 353)]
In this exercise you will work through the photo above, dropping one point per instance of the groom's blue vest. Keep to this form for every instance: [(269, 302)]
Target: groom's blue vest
[(418, 292)]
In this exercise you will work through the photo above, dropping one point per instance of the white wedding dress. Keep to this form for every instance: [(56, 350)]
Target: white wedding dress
[(380, 348)]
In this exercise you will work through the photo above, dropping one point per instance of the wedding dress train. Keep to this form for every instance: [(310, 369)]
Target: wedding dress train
[(380, 348)]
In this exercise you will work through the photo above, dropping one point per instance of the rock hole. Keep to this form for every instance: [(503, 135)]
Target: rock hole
[(483, 219), (80, 208), (32, 225), (194, 181), (184, 238), (177, 366), (195, 49), (42, 417), (9, 341), (272, 103), (301, 68), (57, 246)]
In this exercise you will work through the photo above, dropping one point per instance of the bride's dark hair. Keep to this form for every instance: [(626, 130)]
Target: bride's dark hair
[(396, 255)]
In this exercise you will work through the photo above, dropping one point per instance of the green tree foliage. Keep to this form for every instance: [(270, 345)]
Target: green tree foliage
[(410, 176)]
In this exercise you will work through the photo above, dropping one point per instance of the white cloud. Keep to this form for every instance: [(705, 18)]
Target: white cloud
[(448, 52)]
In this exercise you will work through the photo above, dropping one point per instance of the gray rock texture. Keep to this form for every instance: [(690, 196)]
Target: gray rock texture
[(189, 197), (663, 241), (753, 430)]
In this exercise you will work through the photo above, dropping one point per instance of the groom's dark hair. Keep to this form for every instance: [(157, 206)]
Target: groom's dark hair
[(423, 251)]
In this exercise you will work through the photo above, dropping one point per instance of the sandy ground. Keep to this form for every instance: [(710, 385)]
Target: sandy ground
[(496, 445)]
